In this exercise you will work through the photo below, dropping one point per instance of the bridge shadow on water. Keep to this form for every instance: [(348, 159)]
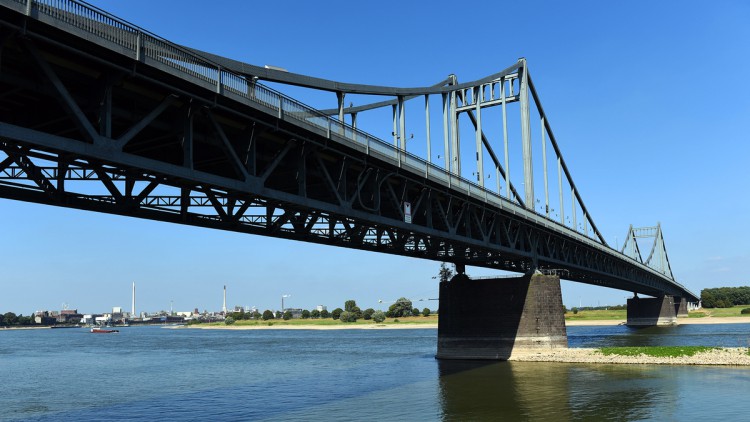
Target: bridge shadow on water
[(540, 391)]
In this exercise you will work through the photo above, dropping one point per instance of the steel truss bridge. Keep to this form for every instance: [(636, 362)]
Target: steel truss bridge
[(98, 114)]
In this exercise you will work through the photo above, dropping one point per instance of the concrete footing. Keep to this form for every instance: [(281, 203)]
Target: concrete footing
[(644, 312), (488, 319), (681, 307)]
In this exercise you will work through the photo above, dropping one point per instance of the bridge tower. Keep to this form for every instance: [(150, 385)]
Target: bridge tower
[(490, 319), (662, 309)]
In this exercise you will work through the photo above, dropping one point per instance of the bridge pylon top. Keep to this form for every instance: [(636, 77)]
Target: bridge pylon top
[(657, 259)]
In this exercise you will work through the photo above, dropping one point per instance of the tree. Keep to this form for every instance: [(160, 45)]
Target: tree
[(336, 314), (267, 315), (426, 312), (229, 320), (400, 308), (378, 316), (367, 314), (287, 315), (725, 297), (10, 318), (256, 315), (349, 305), (415, 312), (325, 314), (445, 274), (305, 314), (348, 317), (279, 315), (315, 314)]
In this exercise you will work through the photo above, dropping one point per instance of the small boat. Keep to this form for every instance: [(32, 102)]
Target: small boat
[(103, 331)]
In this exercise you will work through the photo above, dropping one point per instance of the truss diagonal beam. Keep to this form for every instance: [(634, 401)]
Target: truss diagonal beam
[(126, 137), (65, 97)]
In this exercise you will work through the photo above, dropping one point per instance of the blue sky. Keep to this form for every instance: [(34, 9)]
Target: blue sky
[(649, 102)]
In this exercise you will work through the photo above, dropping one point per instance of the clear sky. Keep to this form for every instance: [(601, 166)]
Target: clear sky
[(649, 102)]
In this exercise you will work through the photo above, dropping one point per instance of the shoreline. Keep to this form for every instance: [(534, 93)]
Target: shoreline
[(680, 321), (311, 327), (407, 325), (729, 356), (402, 326)]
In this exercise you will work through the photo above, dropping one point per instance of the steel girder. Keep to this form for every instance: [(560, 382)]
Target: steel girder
[(88, 128)]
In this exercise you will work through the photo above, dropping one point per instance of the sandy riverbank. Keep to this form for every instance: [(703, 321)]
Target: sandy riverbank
[(729, 356), (25, 328), (680, 321), (313, 327), (714, 320)]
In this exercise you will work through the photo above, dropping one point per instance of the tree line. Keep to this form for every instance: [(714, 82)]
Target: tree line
[(725, 297), (350, 313), (9, 319)]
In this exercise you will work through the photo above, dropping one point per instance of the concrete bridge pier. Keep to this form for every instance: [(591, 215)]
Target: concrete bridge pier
[(490, 319), (645, 312), (681, 307)]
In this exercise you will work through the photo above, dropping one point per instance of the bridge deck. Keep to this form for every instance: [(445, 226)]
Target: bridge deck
[(166, 134)]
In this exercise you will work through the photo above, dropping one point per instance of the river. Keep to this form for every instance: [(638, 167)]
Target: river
[(153, 373)]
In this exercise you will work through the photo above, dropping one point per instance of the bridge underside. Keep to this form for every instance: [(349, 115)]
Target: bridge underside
[(85, 126)]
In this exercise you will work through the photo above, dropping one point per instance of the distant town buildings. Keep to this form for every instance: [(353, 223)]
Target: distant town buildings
[(119, 316), (69, 316), (296, 313), (44, 318)]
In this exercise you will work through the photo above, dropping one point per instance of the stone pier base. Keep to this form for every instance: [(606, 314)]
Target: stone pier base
[(488, 319), (681, 307), (643, 312)]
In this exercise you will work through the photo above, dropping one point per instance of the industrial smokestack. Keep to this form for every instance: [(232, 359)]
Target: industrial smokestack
[(132, 308), (224, 308)]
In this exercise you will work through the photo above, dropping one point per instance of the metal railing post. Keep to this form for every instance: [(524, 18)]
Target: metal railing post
[(218, 81), (340, 100), (138, 46)]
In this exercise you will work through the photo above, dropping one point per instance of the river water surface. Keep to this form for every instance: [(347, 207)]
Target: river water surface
[(153, 373)]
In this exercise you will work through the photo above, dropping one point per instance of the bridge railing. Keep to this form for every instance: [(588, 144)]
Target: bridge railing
[(140, 43), (144, 44)]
